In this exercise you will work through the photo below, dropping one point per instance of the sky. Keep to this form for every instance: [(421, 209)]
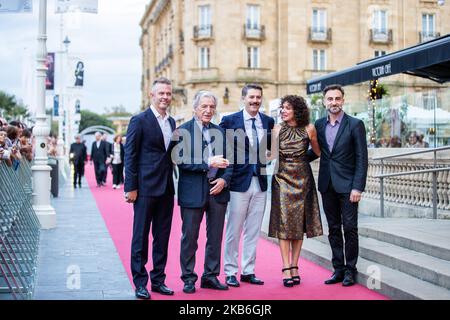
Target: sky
[(107, 43)]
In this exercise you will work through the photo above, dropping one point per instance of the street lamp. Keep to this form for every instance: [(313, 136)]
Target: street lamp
[(41, 170), (60, 143)]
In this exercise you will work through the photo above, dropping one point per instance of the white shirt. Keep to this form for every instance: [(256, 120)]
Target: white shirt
[(98, 143), (116, 154), (164, 124), (248, 126)]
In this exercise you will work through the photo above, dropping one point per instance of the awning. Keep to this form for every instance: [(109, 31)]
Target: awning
[(428, 60)]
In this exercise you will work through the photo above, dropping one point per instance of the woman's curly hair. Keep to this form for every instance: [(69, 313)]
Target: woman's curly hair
[(301, 111)]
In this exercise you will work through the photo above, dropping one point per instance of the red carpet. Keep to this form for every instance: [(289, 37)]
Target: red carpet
[(118, 216)]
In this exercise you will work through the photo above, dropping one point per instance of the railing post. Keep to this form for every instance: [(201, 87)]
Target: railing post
[(435, 188), (382, 197)]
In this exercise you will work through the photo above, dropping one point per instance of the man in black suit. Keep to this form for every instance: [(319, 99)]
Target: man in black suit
[(342, 179), (110, 155), (202, 187), (99, 154), (78, 157), (149, 186)]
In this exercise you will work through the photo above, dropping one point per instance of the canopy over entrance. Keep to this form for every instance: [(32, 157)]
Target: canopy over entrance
[(428, 60)]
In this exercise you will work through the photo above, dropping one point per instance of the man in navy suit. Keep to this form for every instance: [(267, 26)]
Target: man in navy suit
[(342, 179), (250, 140), (205, 176), (99, 154), (149, 186)]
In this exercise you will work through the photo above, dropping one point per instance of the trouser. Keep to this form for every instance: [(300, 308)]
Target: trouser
[(99, 168), (215, 220), (245, 216), (79, 172), (155, 212), (341, 214), (117, 173)]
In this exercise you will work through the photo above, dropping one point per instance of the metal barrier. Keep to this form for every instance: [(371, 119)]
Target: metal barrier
[(434, 171), (19, 232)]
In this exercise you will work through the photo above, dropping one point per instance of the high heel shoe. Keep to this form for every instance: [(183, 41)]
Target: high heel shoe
[(295, 279), (287, 282)]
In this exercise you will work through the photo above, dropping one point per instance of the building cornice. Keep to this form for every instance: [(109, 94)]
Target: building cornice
[(153, 11)]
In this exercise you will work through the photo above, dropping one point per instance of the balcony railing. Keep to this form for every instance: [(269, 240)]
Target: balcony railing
[(165, 61), (253, 74), (256, 32), (427, 36), (319, 35), (203, 32), (381, 36)]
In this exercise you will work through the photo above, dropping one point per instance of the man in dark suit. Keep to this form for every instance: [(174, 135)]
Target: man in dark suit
[(99, 154), (149, 186), (110, 155), (250, 139), (342, 179), (203, 186), (78, 157)]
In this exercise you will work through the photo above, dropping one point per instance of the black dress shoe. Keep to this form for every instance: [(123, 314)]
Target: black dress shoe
[(162, 289), (251, 278), (335, 278), (232, 281), (212, 283), (189, 287), (142, 293), (349, 279)]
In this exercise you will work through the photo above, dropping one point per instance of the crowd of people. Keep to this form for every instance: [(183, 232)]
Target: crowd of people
[(16, 143), (414, 140), (222, 174), (105, 156)]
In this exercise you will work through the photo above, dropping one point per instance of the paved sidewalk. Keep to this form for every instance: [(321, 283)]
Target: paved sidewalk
[(78, 260)]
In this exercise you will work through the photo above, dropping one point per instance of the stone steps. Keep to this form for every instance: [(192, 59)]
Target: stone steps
[(391, 282)]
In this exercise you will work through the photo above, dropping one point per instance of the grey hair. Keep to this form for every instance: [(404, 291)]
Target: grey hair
[(98, 133), (203, 94), (160, 80)]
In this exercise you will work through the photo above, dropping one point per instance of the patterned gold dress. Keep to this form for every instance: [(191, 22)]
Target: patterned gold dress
[(295, 207)]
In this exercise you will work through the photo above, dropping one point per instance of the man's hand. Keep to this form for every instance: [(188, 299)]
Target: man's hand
[(131, 196), (218, 162), (219, 185), (355, 196)]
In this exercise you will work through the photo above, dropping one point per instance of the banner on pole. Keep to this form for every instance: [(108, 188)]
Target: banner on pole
[(50, 77), (65, 6), (15, 6), (56, 105), (75, 75)]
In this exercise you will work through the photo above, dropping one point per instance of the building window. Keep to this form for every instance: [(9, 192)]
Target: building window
[(429, 100), (203, 58), (253, 17), (253, 57), (379, 53), (379, 23), (319, 60), (319, 23), (204, 20)]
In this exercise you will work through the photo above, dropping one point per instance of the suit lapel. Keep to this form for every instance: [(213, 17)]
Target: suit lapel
[(154, 123), (322, 132), (341, 129)]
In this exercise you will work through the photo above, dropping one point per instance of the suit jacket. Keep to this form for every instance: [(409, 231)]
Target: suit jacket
[(193, 184), (79, 153), (99, 154), (148, 166), (243, 172), (122, 152), (346, 165)]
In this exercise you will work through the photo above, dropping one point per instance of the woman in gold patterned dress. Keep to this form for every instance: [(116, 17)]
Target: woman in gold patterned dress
[(295, 207)]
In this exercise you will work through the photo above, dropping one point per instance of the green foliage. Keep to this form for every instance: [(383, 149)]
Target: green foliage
[(11, 109), (117, 111), (89, 118)]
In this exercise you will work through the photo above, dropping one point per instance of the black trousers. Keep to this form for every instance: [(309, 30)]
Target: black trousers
[(117, 173), (342, 214), (100, 169), (155, 212), (105, 173), (192, 218), (79, 172)]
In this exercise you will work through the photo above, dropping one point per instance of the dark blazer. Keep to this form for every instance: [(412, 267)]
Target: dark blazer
[(193, 185), (243, 173), (346, 165), (148, 166), (122, 152), (99, 154), (79, 153)]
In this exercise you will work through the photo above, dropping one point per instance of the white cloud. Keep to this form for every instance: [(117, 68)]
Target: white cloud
[(108, 42)]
